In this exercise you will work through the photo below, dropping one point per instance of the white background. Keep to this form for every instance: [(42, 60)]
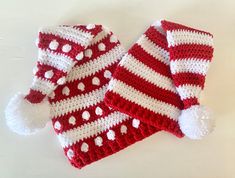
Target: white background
[(161, 155)]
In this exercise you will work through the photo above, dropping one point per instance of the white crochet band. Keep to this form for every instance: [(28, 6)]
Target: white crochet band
[(78, 102), (91, 129), (135, 96)]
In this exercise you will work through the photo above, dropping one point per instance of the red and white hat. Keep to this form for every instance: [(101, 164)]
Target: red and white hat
[(160, 79), (74, 67)]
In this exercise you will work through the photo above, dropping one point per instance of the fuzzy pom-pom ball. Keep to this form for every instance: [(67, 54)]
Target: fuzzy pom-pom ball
[(196, 122), (25, 118)]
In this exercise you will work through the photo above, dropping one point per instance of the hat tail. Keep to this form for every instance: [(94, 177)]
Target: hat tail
[(191, 52), (60, 48)]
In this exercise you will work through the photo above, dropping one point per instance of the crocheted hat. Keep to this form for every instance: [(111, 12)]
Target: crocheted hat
[(74, 67), (160, 79)]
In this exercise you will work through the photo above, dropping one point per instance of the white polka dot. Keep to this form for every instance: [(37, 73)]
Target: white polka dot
[(53, 45), (96, 81), (79, 56), (81, 86), (98, 141), (57, 125), (70, 154), (101, 47), (123, 129), (84, 147), (66, 91), (90, 26), (88, 53), (49, 74), (111, 135), (107, 74), (72, 120), (35, 70), (113, 39), (52, 95), (66, 48), (86, 115), (135, 123), (98, 111), (61, 81)]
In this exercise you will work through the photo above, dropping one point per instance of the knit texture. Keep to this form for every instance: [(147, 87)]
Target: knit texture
[(162, 74), (101, 99), (74, 67)]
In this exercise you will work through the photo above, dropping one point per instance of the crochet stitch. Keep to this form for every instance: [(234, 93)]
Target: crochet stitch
[(160, 79), (75, 64), (101, 100)]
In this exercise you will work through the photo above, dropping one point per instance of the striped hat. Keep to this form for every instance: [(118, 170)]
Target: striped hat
[(74, 66), (160, 79)]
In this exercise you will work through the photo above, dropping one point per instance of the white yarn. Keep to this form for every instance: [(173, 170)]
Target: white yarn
[(81, 86), (72, 120), (135, 123), (48, 74), (66, 48), (98, 111), (84, 147), (70, 153), (96, 81), (79, 56), (98, 141), (25, 118), (101, 46), (57, 125), (86, 115), (88, 53), (107, 74), (123, 129), (61, 81), (196, 122), (53, 45), (111, 135)]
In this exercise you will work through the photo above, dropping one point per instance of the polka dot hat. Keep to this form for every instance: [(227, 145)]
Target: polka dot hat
[(101, 99), (74, 67)]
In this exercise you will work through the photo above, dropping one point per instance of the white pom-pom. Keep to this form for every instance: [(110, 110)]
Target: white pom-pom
[(25, 118), (196, 122)]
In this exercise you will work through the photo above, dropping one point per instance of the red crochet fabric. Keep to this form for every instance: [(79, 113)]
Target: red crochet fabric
[(74, 67), (162, 74), (101, 99)]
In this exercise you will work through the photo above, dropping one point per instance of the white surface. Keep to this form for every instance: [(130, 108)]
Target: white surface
[(161, 155)]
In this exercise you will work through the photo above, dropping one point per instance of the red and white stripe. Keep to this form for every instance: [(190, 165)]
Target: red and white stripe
[(142, 85), (78, 102), (70, 137), (42, 85), (76, 35), (178, 36), (76, 63), (58, 48), (101, 62), (145, 101), (57, 60), (74, 66), (188, 72), (162, 73), (190, 65)]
